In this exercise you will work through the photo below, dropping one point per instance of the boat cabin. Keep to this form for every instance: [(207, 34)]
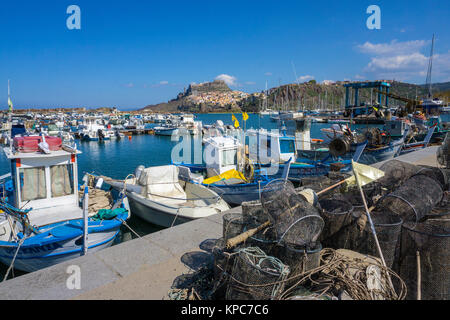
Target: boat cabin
[(221, 154), (47, 183), (266, 146)]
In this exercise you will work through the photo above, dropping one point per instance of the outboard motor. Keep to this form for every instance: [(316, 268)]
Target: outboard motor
[(138, 171), (101, 135)]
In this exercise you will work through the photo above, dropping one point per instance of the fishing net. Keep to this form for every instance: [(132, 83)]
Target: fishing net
[(256, 276), (336, 214), (396, 173), (316, 183), (295, 220), (266, 239), (414, 199), (388, 227), (253, 212), (233, 225), (433, 243), (299, 260), (223, 259), (436, 173)]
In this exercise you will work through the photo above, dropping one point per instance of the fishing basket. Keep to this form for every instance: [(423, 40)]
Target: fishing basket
[(223, 260), (396, 173), (256, 276), (432, 241), (336, 214), (352, 236), (266, 239), (233, 225), (316, 183), (437, 174), (294, 220), (388, 227), (414, 199), (253, 213), (299, 259)]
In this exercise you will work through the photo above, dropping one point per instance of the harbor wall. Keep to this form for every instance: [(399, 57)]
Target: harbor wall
[(143, 268)]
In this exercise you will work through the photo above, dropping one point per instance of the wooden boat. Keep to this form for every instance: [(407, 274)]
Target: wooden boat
[(50, 227)]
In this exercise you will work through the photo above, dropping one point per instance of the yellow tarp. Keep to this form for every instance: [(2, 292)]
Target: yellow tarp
[(225, 176)]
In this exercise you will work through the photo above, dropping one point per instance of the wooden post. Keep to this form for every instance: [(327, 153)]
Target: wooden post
[(419, 277), (372, 227), (85, 219)]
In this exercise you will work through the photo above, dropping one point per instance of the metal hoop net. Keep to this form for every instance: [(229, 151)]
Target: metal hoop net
[(295, 221)]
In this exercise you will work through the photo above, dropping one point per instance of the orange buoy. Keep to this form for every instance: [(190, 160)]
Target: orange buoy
[(129, 138)]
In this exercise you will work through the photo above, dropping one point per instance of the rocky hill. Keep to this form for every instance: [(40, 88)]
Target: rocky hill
[(218, 97)]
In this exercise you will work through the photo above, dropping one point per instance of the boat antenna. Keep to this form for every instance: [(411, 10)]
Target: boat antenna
[(430, 67)]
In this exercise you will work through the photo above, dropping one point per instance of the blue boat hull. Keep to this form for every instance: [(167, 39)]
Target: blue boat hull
[(58, 243)]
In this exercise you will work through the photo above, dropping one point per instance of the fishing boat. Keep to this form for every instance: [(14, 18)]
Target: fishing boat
[(271, 151), (42, 223), (159, 196), (228, 172), (167, 129)]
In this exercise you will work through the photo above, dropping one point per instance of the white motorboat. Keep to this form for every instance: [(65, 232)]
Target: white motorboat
[(158, 196)]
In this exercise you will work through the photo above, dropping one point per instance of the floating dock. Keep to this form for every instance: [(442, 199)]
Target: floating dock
[(140, 269)]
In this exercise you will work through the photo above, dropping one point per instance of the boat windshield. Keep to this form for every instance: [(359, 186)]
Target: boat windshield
[(229, 157), (287, 146), (32, 184), (62, 180)]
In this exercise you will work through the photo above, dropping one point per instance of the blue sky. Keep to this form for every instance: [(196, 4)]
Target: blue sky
[(133, 53)]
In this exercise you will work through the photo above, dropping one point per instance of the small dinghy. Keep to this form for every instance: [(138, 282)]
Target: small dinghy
[(158, 196)]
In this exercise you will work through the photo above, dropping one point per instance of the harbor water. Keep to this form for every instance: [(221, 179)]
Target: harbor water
[(117, 159)]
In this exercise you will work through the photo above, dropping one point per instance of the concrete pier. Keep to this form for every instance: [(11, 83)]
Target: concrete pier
[(144, 268)]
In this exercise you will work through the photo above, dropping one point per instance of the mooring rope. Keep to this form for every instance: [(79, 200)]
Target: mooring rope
[(14, 258)]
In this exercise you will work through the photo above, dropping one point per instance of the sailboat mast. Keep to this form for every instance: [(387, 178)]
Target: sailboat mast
[(430, 67)]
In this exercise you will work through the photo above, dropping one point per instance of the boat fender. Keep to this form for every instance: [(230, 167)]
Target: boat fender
[(99, 183), (310, 196)]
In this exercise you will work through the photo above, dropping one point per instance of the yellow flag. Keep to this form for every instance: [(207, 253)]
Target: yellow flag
[(236, 122), (366, 174), (245, 116)]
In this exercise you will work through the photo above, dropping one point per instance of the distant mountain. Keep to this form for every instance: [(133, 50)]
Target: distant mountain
[(218, 97), (204, 97), (439, 87)]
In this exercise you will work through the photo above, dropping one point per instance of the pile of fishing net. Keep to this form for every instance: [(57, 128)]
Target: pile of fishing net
[(290, 246)]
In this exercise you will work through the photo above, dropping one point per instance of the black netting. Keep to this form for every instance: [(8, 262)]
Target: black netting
[(436, 173), (414, 199), (253, 212), (336, 214), (396, 173), (295, 221), (316, 183), (256, 276), (233, 225), (299, 260), (223, 259), (388, 227), (432, 241), (266, 239)]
